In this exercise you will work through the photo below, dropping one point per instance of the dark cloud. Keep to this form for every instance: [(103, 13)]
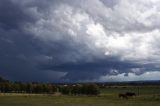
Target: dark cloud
[(91, 70), (20, 52), (13, 16), (74, 40)]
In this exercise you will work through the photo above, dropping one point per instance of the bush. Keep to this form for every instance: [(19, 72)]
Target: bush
[(65, 90), (90, 89), (76, 90), (86, 89)]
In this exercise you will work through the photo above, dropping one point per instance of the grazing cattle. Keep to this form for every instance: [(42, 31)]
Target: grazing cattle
[(124, 96), (130, 94)]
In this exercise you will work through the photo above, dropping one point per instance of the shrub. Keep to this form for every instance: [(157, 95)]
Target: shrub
[(65, 90), (90, 89)]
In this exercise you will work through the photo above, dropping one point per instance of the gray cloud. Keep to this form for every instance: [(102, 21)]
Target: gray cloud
[(78, 40)]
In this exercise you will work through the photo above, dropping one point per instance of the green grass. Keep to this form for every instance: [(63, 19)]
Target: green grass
[(149, 96)]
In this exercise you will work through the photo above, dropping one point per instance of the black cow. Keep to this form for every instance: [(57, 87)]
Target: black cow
[(130, 94), (121, 95)]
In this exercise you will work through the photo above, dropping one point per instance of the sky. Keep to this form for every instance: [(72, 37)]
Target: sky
[(80, 40)]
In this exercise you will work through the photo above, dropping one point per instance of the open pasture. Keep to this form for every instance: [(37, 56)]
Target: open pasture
[(145, 96)]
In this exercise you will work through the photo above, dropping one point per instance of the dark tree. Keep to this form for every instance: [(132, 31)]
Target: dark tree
[(90, 89)]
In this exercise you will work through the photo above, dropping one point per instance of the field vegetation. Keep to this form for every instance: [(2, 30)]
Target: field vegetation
[(148, 96), (82, 95)]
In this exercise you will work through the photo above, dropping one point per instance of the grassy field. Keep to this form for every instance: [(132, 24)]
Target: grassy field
[(148, 96)]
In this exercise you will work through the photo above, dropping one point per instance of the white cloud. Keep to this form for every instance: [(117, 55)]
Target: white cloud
[(154, 75), (129, 30)]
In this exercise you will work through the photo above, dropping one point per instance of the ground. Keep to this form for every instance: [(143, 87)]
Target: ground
[(146, 96)]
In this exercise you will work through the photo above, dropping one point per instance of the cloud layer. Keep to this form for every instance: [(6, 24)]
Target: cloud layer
[(79, 40)]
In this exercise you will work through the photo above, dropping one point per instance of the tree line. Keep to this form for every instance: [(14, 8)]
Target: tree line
[(19, 87), (80, 89), (48, 88)]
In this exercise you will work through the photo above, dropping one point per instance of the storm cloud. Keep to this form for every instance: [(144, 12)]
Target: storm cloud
[(79, 40)]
